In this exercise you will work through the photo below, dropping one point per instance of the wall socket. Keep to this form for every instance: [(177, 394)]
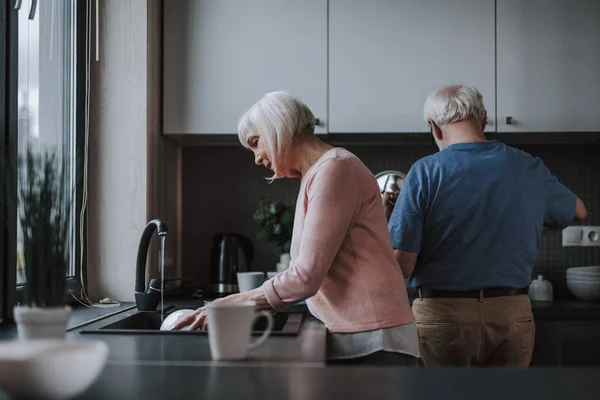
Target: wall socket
[(581, 236)]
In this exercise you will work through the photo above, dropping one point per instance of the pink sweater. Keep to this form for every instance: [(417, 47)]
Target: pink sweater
[(342, 257)]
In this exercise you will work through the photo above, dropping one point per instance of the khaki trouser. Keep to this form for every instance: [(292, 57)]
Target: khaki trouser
[(468, 332)]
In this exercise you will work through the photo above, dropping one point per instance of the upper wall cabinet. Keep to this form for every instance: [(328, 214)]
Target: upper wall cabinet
[(386, 56), (548, 65), (221, 56)]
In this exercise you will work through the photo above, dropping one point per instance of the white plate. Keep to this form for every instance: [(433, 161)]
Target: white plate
[(50, 369), (174, 318)]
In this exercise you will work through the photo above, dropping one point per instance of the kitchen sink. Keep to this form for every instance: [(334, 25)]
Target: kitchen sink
[(148, 322)]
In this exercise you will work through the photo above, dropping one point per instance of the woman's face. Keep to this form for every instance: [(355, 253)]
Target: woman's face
[(262, 156)]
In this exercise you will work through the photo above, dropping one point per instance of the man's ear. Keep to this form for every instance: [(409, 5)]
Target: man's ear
[(437, 132), (484, 123)]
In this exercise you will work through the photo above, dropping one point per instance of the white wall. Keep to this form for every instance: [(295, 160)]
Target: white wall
[(117, 149)]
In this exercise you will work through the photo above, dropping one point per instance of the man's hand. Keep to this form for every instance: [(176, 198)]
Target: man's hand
[(389, 201)]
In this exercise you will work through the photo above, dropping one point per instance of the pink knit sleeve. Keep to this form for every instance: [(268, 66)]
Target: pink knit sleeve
[(333, 203)]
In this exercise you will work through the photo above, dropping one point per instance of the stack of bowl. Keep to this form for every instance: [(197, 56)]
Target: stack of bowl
[(584, 282)]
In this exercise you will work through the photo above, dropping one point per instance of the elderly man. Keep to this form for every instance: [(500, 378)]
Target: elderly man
[(467, 228)]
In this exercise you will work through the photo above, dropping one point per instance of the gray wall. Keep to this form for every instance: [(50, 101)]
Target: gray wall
[(222, 187)]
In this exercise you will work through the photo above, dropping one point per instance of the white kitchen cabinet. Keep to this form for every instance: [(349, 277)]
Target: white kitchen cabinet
[(386, 56), (221, 56), (548, 65)]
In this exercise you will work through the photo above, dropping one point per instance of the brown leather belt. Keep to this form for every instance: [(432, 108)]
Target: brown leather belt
[(423, 293)]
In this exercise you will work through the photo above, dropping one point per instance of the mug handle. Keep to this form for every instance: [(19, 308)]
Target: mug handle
[(267, 331)]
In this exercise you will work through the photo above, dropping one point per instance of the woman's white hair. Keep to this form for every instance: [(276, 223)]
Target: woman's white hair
[(454, 103), (277, 117)]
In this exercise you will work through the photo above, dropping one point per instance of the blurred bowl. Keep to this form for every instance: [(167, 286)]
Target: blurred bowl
[(174, 318), (584, 290), (584, 278), (592, 269), (50, 369), (583, 274)]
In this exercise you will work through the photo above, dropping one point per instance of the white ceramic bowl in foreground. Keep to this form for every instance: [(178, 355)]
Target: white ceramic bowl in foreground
[(50, 369)]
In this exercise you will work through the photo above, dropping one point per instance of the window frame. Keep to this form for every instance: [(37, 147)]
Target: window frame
[(10, 292)]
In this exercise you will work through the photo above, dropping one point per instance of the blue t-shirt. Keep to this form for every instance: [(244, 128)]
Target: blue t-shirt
[(475, 213)]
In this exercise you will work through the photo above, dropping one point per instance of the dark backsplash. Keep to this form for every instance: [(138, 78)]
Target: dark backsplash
[(222, 188)]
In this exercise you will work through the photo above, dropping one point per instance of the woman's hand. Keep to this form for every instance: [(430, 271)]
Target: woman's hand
[(194, 321), (197, 320)]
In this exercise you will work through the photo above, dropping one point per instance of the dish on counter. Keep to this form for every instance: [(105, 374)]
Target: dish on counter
[(56, 369)]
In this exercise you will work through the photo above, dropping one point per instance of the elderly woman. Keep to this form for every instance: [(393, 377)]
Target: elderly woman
[(342, 262)]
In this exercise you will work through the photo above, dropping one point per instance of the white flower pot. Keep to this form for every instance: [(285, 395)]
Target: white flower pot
[(42, 323)]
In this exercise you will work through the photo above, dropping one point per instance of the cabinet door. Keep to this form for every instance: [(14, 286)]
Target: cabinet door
[(570, 343), (548, 65), (221, 56), (386, 56)]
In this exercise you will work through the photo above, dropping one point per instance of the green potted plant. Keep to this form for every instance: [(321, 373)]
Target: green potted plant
[(276, 222), (44, 215)]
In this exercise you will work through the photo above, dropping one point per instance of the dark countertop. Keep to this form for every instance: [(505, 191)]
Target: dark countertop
[(307, 347), (184, 381), (566, 310), (179, 366), (84, 315)]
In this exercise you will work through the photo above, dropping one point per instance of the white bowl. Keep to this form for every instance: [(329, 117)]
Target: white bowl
[(583, 275), (584, 290), (583, 279), (594, 269), (174, 318), (50, 369)]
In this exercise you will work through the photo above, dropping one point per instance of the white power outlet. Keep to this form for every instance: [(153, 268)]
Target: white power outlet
[(581, 236)]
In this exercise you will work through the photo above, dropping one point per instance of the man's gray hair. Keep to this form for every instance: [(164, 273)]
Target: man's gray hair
[(278, 117), (454, 103)]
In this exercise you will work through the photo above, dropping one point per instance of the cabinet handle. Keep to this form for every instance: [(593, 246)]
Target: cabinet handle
[(18, 4), (33, 9), (509, 120)]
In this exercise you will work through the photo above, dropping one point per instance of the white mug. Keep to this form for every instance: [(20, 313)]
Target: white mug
[(229, 329), (249, 280)]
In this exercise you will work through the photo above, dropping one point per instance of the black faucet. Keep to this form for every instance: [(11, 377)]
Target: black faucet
[(147, 299)]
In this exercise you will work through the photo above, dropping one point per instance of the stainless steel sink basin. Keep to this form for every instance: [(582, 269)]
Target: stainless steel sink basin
[(148, 322)]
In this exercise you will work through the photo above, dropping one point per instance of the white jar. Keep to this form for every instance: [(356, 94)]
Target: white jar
[(541, 290)]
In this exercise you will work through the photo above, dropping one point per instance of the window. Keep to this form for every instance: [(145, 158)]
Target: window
[(44, 84)]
